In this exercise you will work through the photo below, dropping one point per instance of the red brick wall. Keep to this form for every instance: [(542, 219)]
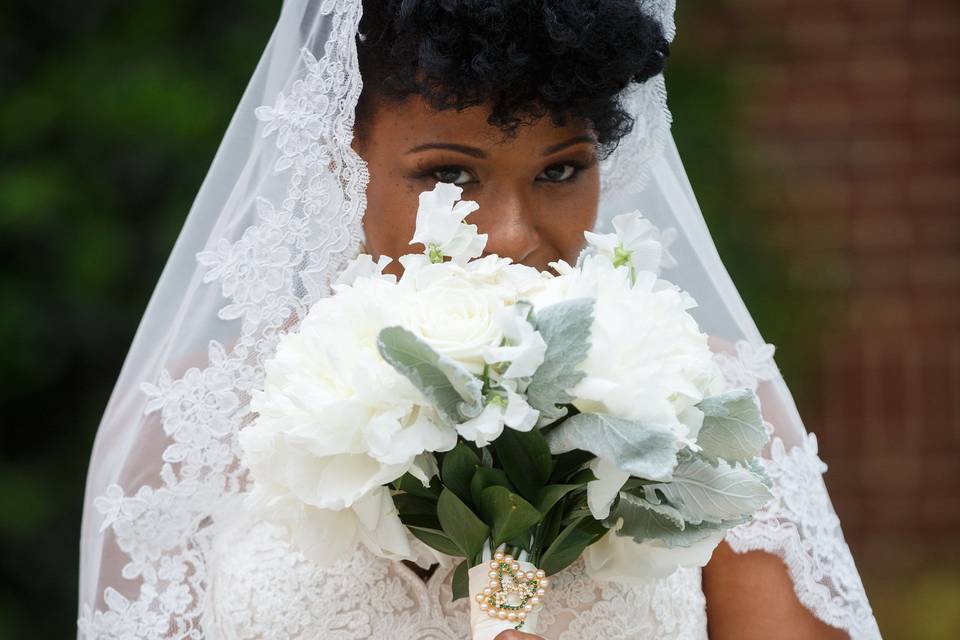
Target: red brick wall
[(852, 110)]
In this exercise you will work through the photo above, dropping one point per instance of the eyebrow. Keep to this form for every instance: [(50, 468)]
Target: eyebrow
[(568, 143), (480, 153), (462, 148)]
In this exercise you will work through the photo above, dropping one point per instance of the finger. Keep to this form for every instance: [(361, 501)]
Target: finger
[(511, 634)]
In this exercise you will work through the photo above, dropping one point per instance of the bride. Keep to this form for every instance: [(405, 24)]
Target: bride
[(551, 115)]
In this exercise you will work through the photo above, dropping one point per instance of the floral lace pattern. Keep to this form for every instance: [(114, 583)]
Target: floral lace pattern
[(799, 524), (628, 167), (262, 589), (269, 275)]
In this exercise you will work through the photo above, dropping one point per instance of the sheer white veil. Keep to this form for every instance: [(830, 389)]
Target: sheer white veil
[(278, 215)]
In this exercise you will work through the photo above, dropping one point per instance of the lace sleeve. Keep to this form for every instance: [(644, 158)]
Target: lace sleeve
[(799, 525)]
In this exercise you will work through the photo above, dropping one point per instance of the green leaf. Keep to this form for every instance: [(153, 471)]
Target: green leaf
[(570, 543), (526, 458), (487, 477), (565, 327), (413, 486), (455, 392), (414, 505), (551, 529), (460, 583), (461, 525), (568, 464), (648, 450), (436, 540), (457, 469), (582, 477), (511, 515), (417, 512), (521, 541), (643, 521), (732, 427), (551, 494), (423, 521), (704, 492)]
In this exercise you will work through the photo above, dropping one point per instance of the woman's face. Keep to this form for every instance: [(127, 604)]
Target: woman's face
[(537, 191)]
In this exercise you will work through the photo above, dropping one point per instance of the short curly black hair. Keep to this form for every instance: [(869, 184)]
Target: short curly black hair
[(527, 58)]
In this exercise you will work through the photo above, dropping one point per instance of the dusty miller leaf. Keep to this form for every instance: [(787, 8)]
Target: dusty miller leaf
[(455, 392), (703, 492), (732, 427), (565, 327), (645, 450)]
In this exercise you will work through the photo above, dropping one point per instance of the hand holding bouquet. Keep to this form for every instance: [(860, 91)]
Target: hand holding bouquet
[(514, 418)]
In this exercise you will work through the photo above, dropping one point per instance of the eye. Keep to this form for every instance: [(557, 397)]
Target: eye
[(558, 173), (453, 175)]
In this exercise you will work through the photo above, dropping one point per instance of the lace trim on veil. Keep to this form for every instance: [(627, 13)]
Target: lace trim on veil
[(269, 276), (628, 167), (800, 525)]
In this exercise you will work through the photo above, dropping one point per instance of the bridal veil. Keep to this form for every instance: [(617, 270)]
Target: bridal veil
[(278, 215)]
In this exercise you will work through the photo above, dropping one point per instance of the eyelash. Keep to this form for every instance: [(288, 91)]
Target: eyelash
[(430, 171)]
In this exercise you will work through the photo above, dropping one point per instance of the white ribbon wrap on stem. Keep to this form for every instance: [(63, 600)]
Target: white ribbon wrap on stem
[(482, 625)]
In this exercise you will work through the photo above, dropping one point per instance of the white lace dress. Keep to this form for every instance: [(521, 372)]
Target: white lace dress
[(263, 589)]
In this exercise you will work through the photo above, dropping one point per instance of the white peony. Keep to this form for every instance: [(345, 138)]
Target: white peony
[(648, 359), (335, 422), (326, 536), (617, 558), (440, 226)]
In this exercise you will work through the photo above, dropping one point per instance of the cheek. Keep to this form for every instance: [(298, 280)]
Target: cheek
[(569, 215), (390, 216)]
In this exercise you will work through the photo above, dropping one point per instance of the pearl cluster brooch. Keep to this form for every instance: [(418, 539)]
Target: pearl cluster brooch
[(512, 593)]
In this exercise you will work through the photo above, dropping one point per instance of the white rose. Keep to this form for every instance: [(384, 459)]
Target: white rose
[(457, 317), (617, 558), (334, 420)]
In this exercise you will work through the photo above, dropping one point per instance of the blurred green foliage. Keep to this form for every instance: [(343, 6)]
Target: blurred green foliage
[(111, 114), (706, 97)]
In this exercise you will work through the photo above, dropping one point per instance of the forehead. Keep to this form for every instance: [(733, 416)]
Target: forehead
[(413, 121)]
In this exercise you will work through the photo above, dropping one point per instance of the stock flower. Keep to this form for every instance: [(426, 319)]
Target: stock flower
[(635, 243), (363, 266), (510, 410), (441, 227), (523, 347)]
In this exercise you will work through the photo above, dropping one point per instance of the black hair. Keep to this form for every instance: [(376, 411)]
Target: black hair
[(528, 58)]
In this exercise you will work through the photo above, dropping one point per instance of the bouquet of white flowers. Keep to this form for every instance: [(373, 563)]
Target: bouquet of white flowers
[(515, 418)]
